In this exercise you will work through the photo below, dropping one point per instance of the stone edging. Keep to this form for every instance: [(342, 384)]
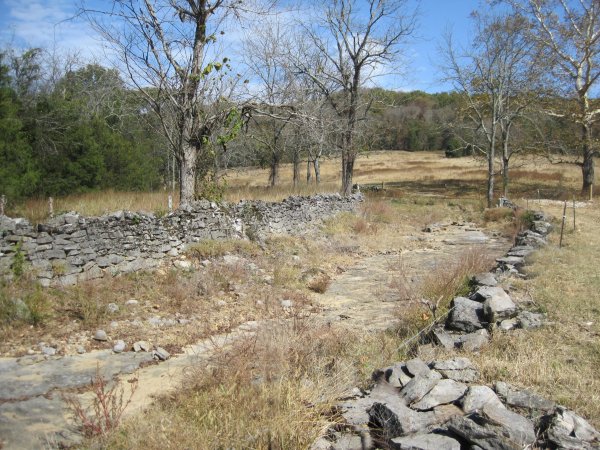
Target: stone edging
[(438, 405)]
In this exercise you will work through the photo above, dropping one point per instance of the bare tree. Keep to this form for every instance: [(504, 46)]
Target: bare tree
[(569, 33), (170, 50), (493, 76), (350, 43), (274, 105)]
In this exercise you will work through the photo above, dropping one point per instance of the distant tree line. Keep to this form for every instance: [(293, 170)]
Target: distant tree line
[(68, 128), (184, 113)]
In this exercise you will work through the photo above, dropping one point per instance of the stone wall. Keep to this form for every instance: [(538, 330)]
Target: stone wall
[(72, 248)]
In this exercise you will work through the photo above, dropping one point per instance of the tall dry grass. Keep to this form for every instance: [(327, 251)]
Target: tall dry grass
[(401, 173), (274, 391)]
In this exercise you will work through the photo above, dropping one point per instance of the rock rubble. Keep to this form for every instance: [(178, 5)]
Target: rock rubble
[(441, 406)]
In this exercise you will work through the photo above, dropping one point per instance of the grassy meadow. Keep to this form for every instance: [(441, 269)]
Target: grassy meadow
[(278, 390), (403, 173)]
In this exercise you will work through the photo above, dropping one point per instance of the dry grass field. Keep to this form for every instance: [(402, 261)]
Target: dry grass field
[(278, 390), (405, 173)]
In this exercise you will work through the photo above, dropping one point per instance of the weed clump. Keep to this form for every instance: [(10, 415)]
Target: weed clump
[(108, 405), (211, 248)]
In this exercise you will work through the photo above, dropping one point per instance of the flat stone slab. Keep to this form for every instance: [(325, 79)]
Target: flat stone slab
[(528, 320), (515, 261), (519, 428), (473, 342), (20, 379), (425, 442), (457, 369), (484, 279), (479, 396), (416, 389), (35, 423), (445, 391), (417, 367), (522, 398)]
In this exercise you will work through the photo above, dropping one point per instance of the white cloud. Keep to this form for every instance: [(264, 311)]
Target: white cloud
[(47, 23)]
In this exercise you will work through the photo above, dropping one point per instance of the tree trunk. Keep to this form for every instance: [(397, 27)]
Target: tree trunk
[(490, 175), (347, 175), (308, 171), (187, 175), (296, 180), (274, 171), (505, 177), (587, 167), (317, 171)]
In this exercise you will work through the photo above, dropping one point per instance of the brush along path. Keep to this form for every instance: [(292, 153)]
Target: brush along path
[(33, 413), (373, 292)]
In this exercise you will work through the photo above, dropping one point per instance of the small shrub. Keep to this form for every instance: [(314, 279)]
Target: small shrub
[(211, 248), (59, 267), (524, 219), (319, 284), (38, 305), (378, 211), (498, 214), (285, 275), (108, 406), (18, 264)]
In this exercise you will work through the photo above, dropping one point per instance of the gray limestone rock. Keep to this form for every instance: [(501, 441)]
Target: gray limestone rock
[(100, 335), (112, 308), (395, 375), (542, 227), (519, 428), (441, 337), (479, 396), (481, 434), (484, 279), (142, 346), (520, 251), (512, 261), (571, 431), (396, 419), (528, 320), (417, 388), (467, 315), (425, 442), (497, 305), (183, 265), (161, 354), (48, 351), (119, 346), (473, 342), (530, 239), (347, 441), (509, 324), (445, 391), (522, 398), (416, 367), (457, 369)]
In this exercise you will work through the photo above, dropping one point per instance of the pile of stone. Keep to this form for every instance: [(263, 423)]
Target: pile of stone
[(490, 307), (439, 406)]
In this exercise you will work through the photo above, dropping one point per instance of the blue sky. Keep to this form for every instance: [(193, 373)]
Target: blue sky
[(43, 23)]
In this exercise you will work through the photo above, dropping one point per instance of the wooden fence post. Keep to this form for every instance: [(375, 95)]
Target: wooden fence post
[(574, 226), (2, 204), (562, 228), (170, 203), (51, 207)]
